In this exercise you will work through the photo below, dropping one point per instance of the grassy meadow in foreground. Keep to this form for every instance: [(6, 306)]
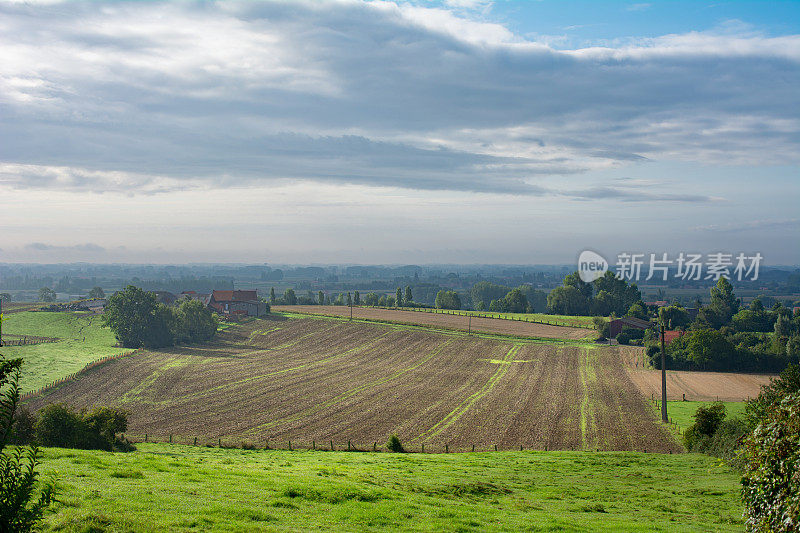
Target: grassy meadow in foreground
[(182, 488), (83, 339)]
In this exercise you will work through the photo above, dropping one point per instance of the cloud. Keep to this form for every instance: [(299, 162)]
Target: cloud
[(789, 223), (87, 247), (142, 98), (639, 7)]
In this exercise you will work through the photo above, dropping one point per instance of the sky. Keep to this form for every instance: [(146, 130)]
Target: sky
[(459, 131)]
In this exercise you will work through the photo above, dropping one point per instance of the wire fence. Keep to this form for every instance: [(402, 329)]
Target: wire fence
[(86, 368), (11, 339), (328, 445), (478, 314)]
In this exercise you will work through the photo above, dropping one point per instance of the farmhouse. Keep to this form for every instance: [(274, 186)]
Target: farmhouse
[(628, 322), (237, 303)]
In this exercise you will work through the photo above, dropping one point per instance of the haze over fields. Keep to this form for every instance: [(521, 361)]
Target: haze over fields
[(367, 131)]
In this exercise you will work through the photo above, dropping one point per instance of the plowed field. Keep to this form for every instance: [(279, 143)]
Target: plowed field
[(321, 379), (455, 322), (697, 386)]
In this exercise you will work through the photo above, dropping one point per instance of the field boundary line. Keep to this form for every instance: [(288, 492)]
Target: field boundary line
[(588, 375), (440, 329), (352, 392), (468, 402), (481, 314)]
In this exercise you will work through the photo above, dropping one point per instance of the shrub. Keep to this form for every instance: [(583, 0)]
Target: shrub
[(60, 426), (394, 445), (22, 431), (602, 326), (707, 420), (22, 503), (771, 480)]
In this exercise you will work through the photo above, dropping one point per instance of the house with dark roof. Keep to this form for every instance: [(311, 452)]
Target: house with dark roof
[(237, 303)]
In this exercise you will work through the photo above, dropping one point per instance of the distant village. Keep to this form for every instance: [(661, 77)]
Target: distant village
[(227, 303)]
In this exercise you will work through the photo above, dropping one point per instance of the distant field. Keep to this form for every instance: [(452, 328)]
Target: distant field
[(183, 488), (697, 386), (18, 307), (448, 321), (83, 340), (557, 320), (320, 379)]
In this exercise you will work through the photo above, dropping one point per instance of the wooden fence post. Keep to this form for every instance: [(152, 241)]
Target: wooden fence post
[(290, 445), (331, 445), (423, 447), (170, 438), (446, 448)]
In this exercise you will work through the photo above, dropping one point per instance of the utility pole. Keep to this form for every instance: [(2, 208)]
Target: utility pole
[(664, 417), (351, 311)]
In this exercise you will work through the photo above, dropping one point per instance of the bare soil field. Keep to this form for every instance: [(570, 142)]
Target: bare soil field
[(456, 322), (318, 380), (697, 386)]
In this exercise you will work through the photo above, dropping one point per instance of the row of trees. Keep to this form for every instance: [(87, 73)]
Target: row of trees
[(604, 296), (726, 336), (139, 320), (402, 298)]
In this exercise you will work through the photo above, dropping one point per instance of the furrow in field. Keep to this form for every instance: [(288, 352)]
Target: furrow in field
[(468, 402)]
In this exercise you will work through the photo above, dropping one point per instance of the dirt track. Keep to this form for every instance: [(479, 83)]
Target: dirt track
[(457, 322), (318, 380), (697, 386)]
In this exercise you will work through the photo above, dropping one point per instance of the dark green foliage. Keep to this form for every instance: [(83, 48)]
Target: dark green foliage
[(399, 297), (22, 432), (409, 296), (628, 334), (618, 297), (603, 327), (483, 292), (771, 480), (567, 301), (788, 382), (21, 502), (137, 319), (638, 310), (448, 300), (394, 445), (272, 297), (194, 322), (289, 297), (60, 426), (356, 298), (46, 294), (371, 299), (673, 317), (97, 292)]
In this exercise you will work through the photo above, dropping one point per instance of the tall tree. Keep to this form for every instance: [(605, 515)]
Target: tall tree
[(137, 319), (272, 296), (349, 300), (289, 298), (321, 298), (97, 292), (398, 297), (356, 298), (46, 294), (574, 280), (408, 296), (723, 301)]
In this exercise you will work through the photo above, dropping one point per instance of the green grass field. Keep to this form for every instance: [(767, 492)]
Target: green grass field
[(83, 340), (163, 487), (682, 413)]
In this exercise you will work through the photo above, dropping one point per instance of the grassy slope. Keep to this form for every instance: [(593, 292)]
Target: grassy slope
[(181, 488), (83, 340)]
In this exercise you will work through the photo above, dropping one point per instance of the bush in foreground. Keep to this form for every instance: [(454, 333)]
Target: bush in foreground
[(771, 481), (394, 445), (21, 504), (60, 426)]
